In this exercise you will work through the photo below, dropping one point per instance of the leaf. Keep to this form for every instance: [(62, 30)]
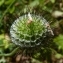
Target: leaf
[(37, 55), (59, 41), (6, 44), (52, 1), (8, 2), (11, 10), (34, 3), (58, 56), (1, 2), (42, 2), (1, 39), (1, 36), (2, 60), (36, 61), (25, 10), (45, 8)]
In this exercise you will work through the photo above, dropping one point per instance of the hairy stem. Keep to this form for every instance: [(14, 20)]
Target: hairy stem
[(10, 54)]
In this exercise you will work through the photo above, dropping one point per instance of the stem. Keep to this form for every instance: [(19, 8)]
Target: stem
[(7, 10), (10, 54)]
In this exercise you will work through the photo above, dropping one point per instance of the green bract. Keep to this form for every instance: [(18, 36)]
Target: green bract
[(28, 34)]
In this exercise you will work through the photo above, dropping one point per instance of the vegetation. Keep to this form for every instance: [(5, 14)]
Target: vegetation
[(51, 51), (27, 30)]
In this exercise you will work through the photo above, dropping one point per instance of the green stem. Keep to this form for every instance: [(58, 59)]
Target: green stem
[(10, 54), (7, 10)]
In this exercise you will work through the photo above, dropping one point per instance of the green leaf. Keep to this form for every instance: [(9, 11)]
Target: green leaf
[(8, 2), (1, 2), (2, 60), (58, 56), (37, 55), (1, 36), (6, 44), (52, 1), (36, 61), (45, 8), (34, 3), (59, 41), (42, 2), (11, 10), (1, 39)]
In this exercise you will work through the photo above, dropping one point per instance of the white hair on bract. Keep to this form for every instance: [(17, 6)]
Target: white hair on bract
[(29, 16)]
